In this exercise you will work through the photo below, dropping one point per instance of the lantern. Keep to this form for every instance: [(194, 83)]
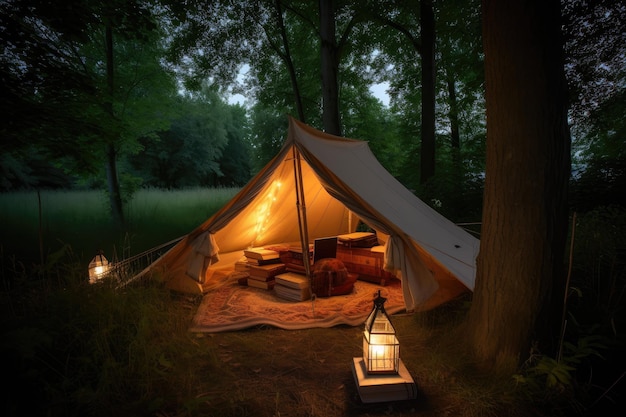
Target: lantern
[(380, 375), (381, 349), (98, 267)]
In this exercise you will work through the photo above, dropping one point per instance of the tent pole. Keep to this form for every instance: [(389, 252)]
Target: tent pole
[(301, 206)]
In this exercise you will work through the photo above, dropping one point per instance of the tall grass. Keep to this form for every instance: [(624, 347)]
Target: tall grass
[(36, 225)]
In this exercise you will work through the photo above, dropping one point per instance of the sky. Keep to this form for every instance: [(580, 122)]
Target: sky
[(379, 91)]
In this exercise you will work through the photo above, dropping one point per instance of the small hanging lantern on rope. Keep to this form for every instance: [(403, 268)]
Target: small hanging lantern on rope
[(98, 267)]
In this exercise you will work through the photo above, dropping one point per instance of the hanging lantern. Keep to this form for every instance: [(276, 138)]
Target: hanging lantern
[(381, 349), (98, 267)]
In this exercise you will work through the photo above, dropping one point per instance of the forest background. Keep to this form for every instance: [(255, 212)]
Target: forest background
[(122, 96)]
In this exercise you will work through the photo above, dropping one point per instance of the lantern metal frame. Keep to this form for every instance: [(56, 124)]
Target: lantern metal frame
[(98, 267), (380, 375), (381, 348)]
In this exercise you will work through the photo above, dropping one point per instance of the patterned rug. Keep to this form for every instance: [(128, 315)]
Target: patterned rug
[(230, 306)]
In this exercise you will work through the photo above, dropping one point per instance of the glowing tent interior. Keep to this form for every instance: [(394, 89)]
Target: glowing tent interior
[(321, 185)]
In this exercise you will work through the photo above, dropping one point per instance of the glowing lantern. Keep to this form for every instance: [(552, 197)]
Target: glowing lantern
[(381, 349), (380, 374), (98, 267)]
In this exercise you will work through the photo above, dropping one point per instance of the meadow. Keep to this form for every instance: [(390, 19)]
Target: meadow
[(36, 225)]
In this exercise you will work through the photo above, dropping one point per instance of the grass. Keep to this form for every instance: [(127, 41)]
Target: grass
[(70, 348), (87, 350), (81, 220)]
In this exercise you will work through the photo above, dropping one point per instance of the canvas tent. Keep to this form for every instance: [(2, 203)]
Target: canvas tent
[(321, 185)]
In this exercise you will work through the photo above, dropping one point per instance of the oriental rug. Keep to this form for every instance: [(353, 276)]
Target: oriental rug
[(230, 306)]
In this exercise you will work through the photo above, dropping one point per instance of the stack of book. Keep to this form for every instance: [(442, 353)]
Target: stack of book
[(261, 256), (242, 265), (292, 286), (263, 276), (262, 266), (378, 388), (295, 259)]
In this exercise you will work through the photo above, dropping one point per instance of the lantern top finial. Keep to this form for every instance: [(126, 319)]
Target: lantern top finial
[(379, 301)]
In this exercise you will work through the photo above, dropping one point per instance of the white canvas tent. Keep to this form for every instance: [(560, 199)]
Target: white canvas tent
[(321, 185)]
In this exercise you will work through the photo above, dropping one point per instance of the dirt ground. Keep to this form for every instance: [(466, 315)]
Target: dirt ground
[(272, 372)]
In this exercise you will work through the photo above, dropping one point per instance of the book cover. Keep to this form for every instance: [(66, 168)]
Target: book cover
[(383, 388), (358, 240), (292, 280), (264, 271), (292, 294), (297, 253), (298, 249), (260, 253), (238, 274), (265, 285), (252, 261), (242, 265), (260, 278)]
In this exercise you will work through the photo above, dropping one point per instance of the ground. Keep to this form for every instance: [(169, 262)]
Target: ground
[(266, 371)]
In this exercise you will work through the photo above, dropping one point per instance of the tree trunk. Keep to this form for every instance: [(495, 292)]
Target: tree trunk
[(330, 69), (455, 143), (115, 195), (427, 24), (289, 62), (528, 165)]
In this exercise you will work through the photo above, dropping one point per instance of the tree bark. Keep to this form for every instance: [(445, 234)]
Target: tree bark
[(520, 265), (289, 62), (427, 26), (330, 69), (115, 195)]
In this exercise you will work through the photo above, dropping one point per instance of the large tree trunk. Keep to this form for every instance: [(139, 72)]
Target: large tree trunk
[(330, 69), (427, 26), (528, 165)]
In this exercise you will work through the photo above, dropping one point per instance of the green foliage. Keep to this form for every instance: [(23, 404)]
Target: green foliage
[(565, 383), (206, 145), (599, 271), (541, 372), (267, 136), (235, 163), (589, 362), (59, 75)]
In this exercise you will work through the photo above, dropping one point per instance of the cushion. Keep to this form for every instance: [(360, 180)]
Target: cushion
[(331, 277)]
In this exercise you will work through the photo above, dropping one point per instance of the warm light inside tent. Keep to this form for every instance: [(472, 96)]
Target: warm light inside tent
[(98, 267), (264, 210), (381, 349)]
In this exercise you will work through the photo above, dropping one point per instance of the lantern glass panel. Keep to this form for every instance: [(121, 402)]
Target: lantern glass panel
[(381, 353), (98, 268), (381, 349)]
